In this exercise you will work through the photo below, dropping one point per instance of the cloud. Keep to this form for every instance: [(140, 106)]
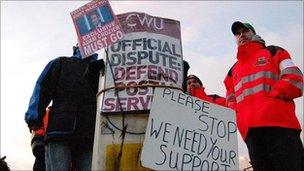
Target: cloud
[(291, 39), (294, 44), (211, 70)]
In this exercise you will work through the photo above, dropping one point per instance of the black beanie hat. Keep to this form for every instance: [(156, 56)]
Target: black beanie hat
[(196, 78)]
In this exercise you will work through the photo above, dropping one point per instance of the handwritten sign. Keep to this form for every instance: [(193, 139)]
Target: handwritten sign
[(150, 53), (185, 133), (96, 26)]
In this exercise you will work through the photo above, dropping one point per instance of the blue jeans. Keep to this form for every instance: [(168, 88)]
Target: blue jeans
[(61, 156)]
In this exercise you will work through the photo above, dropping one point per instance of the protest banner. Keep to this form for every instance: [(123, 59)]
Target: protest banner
[(96, 26), (186, 133), (149, 54)]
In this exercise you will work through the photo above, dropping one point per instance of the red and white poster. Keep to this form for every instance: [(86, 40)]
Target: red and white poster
[(96, 26), (149, 53)]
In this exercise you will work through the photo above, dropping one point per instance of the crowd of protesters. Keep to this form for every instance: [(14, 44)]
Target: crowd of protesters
[(260, 87)]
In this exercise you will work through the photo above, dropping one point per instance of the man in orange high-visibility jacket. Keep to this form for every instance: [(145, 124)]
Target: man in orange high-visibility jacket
[(261, 87), (37, 144), (195, 88)]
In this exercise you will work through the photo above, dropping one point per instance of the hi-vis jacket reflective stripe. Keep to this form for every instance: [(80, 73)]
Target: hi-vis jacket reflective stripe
[(261, 87)]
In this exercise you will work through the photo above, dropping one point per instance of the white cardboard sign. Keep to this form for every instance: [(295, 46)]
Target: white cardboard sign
[(186, 133)]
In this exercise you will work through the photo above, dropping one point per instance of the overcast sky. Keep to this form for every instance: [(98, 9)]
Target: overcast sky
[(34, 32)]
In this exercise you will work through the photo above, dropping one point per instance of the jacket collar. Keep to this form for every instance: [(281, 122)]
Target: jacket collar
[(245, 50)]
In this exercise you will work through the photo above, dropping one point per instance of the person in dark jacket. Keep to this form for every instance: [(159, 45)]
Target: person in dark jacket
[(71, 83)]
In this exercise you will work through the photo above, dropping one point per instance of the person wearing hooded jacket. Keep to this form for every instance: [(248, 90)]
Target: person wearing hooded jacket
[(71, 83), (261, 87), (195, 88)]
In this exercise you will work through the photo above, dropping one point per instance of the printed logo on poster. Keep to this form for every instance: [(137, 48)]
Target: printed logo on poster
[(150, 54), (96, 26)]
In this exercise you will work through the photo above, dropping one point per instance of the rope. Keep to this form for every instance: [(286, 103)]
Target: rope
[(131, 86), (136, 86)]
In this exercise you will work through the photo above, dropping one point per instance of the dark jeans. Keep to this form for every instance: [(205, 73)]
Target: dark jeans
[(39, 164), (274, 148)]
